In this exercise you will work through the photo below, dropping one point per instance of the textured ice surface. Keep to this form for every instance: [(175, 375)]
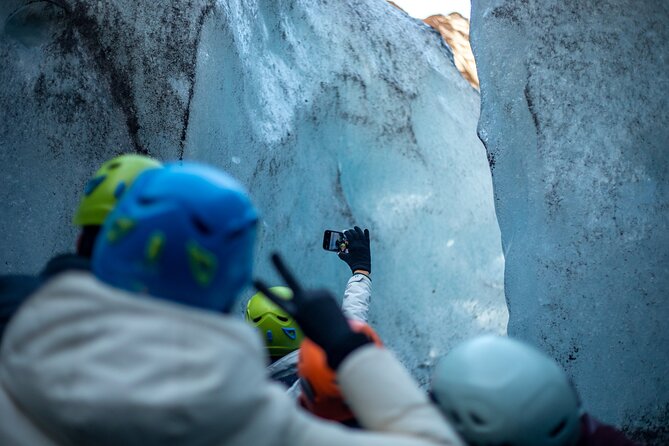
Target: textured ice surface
[(575, 117), (333, 113)]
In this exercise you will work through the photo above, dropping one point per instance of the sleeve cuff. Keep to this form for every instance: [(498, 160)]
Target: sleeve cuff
[(363, 275)]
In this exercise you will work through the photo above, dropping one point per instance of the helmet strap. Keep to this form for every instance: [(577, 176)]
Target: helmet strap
[(86, 241)]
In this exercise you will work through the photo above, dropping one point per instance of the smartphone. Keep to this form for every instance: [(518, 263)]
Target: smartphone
[(334, 241)]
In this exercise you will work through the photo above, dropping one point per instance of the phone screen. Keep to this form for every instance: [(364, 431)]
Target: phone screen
[(334, 241)]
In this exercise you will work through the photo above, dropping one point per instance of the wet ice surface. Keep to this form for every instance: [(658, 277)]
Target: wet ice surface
[(575, 117), (333, 114)]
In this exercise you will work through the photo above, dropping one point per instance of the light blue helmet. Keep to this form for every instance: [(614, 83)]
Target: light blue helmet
[(498, 390), (184, 233)]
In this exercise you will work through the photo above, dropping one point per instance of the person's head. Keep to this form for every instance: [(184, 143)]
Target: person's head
[(497, 390), (320, 392), (102, 192), (279, 330), (184, 233)]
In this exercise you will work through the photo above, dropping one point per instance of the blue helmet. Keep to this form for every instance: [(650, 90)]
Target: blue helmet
[(184, 233)]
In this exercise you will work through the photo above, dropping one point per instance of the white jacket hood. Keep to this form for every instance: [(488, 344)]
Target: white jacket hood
[(65, 371)]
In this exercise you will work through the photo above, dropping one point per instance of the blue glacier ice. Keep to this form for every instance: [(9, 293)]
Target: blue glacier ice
[(333, 114), (575, 117)]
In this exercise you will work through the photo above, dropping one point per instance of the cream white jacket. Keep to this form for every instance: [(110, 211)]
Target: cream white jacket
[(85, 364), (357, 297)]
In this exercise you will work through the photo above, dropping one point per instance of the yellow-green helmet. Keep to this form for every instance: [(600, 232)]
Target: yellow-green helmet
[(281, 333), (107, 185)]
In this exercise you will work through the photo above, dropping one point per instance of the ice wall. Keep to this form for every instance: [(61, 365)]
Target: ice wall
[(79, 83), (333, 113), (575, 118)]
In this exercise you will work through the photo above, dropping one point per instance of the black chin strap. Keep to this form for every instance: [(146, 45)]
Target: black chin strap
[(87, 240)]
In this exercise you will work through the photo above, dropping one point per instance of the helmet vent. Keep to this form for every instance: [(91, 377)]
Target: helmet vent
[(93, 183), (201, 226), (145, 201), (237, 233), (257, 319), (282, 318), (290, 332), (455, 417), (476, 419), (114, 165), (558, 429)]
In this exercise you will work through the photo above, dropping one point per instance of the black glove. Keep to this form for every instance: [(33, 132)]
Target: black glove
[(359, 255), (318, 315)]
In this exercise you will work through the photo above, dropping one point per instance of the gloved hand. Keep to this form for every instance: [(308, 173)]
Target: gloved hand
[(359, 256), (318, 315)]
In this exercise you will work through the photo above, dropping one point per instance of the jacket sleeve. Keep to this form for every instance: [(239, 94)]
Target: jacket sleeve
[(403, 416), (398, 404), (357, 296), (294, 391), (285, 369)]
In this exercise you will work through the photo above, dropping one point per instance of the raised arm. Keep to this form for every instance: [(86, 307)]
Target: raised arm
[(379, 390), (358, 293)]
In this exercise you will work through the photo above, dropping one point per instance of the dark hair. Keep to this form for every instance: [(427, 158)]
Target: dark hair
[(86, 241)]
